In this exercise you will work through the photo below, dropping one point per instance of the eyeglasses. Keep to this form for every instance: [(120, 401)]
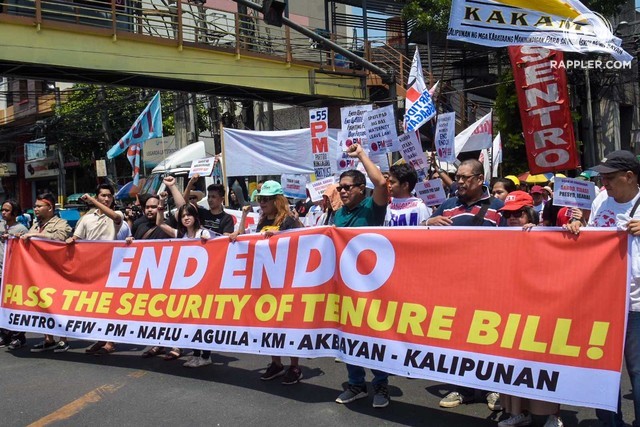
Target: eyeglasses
[(346, 187), (265, 199), (515, 214), (465, 178)]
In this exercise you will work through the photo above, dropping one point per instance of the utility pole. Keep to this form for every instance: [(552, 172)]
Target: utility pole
[(61, 170)]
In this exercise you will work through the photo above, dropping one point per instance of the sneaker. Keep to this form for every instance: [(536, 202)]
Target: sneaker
[(354, 392), (61, 347), (553, 421), (273, 371), (516, 421), (200, 361), (454, 399), (16, 344), (381, 396), (189, 362), (4, 341), (43, 346), (292, 376), (493, 401)]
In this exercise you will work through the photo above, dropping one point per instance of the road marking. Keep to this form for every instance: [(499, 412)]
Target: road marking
[(94, 396)]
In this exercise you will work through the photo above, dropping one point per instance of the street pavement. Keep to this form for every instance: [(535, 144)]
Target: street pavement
[(123, 389)]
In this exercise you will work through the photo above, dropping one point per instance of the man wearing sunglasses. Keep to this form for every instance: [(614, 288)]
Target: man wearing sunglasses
[(358, 210), (473, 206), (618, 207)]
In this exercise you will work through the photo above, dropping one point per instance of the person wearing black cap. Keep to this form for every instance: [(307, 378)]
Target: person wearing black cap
[(618, 207)]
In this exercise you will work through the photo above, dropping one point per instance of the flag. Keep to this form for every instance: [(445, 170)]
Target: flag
[(497, 153), (484, 159), (133, 154), (565, 25), (475, 137), (147, 125), (419, 106)]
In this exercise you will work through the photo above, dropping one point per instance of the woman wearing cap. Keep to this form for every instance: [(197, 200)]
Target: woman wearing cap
[(519, 212), (275, 215)]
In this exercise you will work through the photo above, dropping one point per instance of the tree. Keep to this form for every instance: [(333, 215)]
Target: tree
[(91, 118)]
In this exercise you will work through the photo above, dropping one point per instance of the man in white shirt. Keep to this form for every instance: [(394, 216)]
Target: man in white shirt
[(404, 209), (618, 207)]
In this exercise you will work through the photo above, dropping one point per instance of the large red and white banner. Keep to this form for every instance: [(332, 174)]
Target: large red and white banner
[(543, 98), (463, 306)]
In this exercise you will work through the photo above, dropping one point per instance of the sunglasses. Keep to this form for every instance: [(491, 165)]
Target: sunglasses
[(346, 187), (265, 199), (515, 214)]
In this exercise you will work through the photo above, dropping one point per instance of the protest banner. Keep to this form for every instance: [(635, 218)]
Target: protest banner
[(353, 131), (543, 99), (250, 152), (375, 297), (445, 136), (316, 188), (294, 186), (202, 167), (431, 192), (565, 25), (411, 151), (250, 222), (574, 193), (382, 135), (319, 125)]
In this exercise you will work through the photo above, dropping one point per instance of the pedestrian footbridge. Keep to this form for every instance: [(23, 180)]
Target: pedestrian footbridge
[(175, 46)]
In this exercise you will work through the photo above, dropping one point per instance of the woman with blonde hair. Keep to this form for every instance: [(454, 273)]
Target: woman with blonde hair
[(275, 215)]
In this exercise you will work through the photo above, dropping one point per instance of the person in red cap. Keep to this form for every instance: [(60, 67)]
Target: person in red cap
[(537, 192), (518, 210)]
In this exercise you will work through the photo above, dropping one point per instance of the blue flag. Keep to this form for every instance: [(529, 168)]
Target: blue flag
[(147, 125)]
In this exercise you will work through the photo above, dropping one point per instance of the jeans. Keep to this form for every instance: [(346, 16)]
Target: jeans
[(357, 374), (632, 359)]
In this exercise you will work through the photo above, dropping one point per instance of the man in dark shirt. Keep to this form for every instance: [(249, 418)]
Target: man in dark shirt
[(145, 227), (216, 219)]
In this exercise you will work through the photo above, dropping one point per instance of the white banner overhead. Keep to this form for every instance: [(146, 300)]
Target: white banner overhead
[(249, 152), (565, 25)]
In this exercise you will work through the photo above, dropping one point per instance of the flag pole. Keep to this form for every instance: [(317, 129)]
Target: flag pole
[(224, 164)]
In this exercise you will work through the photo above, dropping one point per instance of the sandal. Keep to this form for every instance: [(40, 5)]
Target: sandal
[(105, 350), (174, 354), (95, 347), (152, 352)]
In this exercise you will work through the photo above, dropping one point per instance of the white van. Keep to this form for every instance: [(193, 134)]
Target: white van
[(178, 165)]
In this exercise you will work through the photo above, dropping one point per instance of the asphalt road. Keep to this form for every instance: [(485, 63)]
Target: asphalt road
[(122, 389)]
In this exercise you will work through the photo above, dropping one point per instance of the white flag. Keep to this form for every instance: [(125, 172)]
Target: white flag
[(497, 153), (419, 107), (484, 159), (475, 137)]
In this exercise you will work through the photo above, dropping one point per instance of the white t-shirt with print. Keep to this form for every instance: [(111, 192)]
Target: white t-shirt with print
[(408, 211), (606, 212)]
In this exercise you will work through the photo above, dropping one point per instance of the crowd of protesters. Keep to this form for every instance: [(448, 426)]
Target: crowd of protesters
[(472, 202)]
